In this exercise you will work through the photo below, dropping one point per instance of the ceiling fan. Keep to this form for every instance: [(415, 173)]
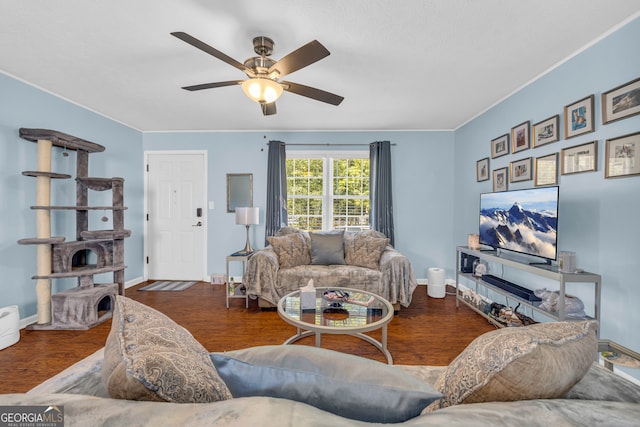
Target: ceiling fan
[(264, 85)]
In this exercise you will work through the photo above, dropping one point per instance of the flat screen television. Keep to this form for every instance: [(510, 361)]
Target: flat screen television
[(524, 221)]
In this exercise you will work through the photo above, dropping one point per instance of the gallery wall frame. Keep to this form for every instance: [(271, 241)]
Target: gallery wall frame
[(500, 146), (622, 156), (482, 169), (500, 180), (545, 131), (521, 170), (579, 158), (621, 102), (546, 170), (520, 139), (579, 117)]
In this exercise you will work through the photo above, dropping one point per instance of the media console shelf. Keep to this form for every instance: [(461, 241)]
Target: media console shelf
[(543, 270)]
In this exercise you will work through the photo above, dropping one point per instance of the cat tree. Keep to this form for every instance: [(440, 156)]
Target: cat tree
[(89, 303)]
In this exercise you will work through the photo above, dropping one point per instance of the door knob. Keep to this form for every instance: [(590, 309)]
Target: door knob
[(199, 224)]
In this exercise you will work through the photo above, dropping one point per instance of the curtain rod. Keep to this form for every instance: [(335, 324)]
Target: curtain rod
[(329, 144)]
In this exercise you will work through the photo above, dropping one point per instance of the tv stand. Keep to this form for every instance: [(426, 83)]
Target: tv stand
[(543, 270)]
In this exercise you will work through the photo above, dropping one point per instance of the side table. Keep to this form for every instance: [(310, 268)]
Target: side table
[(236, 258)]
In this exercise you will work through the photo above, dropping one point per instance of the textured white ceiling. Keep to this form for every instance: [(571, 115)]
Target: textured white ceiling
[(411, 64)]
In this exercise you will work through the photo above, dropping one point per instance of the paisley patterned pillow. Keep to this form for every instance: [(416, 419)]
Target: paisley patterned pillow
[(364, 250), (292, 249), (541, 361), (148, 356)]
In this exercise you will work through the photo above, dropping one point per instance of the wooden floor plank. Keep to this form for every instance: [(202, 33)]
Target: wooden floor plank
[(429, 332)]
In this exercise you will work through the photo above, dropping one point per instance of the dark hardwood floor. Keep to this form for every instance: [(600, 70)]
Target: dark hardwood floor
[(430, 332)]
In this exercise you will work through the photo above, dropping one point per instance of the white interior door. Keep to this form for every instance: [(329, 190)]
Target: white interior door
[(176, 221)]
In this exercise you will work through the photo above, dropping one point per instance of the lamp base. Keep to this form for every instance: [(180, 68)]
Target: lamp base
[(247, 247)]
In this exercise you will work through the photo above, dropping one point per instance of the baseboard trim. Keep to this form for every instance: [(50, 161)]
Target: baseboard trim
[(133, 282)]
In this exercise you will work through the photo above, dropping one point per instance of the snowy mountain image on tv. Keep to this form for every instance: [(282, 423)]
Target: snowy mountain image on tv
[(523, 221)]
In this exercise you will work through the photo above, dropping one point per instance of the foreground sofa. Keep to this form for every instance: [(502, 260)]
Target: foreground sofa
[(359, 260), (142, 341)]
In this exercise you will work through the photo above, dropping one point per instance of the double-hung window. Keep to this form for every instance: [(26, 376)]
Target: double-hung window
[(328, 190)]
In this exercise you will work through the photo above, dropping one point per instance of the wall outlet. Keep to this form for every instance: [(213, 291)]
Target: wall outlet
[(217, 279)]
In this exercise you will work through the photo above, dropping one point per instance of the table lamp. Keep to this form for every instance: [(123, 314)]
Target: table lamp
[(247, 217)]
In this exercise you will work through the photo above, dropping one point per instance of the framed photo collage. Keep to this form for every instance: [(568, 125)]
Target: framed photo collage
[(621, 154)]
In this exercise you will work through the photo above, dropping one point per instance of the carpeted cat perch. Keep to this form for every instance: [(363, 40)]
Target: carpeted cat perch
[(89, 303)]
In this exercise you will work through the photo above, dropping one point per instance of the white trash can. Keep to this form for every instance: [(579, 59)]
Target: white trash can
[(9, 326), (435, 283)]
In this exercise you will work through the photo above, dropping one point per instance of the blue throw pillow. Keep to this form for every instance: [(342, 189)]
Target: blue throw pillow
[(343, 384), (327, 248)]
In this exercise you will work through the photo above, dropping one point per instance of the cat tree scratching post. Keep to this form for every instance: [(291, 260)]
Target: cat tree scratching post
[(89, 303), (43, 231)]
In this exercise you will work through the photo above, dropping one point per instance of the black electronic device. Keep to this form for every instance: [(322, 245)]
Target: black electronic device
[(466, 262), (517, 290)]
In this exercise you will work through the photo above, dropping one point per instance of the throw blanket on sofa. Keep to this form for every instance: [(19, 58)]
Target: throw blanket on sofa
[(267, 277)]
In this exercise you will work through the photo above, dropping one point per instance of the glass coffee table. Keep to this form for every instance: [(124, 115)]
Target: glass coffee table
[(339, 311)]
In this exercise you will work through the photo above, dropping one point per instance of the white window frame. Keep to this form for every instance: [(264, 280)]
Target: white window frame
[(327, 167)]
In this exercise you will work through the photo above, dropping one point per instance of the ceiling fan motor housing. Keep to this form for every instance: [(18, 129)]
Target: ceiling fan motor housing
[(263, 46), (259, 64)]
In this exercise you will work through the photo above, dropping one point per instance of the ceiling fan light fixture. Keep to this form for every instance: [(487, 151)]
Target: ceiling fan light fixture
[(262, 90)]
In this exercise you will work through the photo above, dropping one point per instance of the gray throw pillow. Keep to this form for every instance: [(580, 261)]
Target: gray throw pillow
[(148, 356), (541, 361), (343, 384), (364, 251), (292, 250), (327, 248)]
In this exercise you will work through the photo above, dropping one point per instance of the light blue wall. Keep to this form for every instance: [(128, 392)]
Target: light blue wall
[(24, 106), (435, 189), (422, 181), (598, 217)]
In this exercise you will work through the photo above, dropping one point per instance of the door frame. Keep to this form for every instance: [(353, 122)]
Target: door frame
[(205, 210)]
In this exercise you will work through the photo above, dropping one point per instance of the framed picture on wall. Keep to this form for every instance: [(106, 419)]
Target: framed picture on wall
[(520, 137), (621, 102), (578, 117), (500, 180), (482, 169), (546, 172), (500, 146), (521, 170), (545, 131), (579, 158), (622, 156)]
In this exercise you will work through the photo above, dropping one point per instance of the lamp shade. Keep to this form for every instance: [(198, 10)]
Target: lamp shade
[(262, 89), (247, 216)]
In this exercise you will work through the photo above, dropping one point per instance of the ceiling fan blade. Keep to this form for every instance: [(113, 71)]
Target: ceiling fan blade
[(268, 109), (210, 50), (300, 58), (313, 93), (212, 85)]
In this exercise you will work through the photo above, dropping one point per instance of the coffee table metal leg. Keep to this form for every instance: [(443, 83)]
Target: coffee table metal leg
[(377, 344), (384, 338), (298, 336), (382, 346)]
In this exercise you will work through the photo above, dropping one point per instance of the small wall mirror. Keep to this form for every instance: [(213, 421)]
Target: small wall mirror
[(239, 190)]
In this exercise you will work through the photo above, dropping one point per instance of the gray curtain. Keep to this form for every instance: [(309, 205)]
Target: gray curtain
[(381, 202), (276, 213)]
